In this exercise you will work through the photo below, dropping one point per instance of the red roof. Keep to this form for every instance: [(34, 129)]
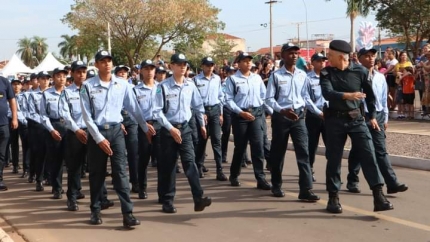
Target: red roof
[(226, 36)]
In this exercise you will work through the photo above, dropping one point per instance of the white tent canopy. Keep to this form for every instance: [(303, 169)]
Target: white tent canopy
[(48, 64), (15, 66)]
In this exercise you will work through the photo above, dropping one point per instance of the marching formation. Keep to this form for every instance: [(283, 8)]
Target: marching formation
[(171, 114)]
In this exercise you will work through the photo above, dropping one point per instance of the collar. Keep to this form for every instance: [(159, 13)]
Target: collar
[(113, 80), (313, 74), (172, 83), (239, 74), (202, 76), (143, 86)]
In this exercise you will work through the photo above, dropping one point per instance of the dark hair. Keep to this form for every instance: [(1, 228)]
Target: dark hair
[(401, 53), (409, 69)]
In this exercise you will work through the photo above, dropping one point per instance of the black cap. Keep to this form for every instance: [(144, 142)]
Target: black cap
[(60, 69), (208, 61), (78, 64), (102, 54), (244, 55), (341, 46), (33, 76), (43, 74), (364, 51), (191, 74), (147, 63), (318, 56), (121, 67), (15, 80), (229, 68), (160, 69), (91, 73), (178, 58), (67, 68), (289, 46)]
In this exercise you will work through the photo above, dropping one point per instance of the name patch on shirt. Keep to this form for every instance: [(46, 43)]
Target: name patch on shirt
[(283, 82), (201, 85), (51, 99), (74, 98), (96, 91), (171, 96), (238, 83), (141, 97)]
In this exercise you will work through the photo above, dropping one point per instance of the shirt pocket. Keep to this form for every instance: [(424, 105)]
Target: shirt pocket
[(284, 88)]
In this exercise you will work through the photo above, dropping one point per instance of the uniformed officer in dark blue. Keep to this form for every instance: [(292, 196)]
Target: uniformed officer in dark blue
[(209, 86), (130, 129), (53, 121), (102, 98), (245, 93), (344, 85), (380, 89), (314, 105), (145, 94), (7, 98), (286, 94), (173, 102), (37, 131)]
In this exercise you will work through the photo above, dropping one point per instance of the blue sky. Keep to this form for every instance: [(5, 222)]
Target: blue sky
[(20, 18)]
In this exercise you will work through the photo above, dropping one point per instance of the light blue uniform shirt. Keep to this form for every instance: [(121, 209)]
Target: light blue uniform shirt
[(19, 102), (179, 100), (50, 107), (244, 92), (71, 108), (146, 97), (210, 89), (379, 86), (291, 89), (314, 99), (102, 102), (33, 108)]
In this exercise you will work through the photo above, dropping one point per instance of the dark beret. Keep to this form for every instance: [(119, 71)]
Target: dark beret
[(341, 46)]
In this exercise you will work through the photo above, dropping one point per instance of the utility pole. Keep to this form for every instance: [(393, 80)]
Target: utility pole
[(270, 7), (379, 43), (298, 32)]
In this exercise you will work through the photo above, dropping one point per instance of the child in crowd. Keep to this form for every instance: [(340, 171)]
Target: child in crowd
[(408, 91)]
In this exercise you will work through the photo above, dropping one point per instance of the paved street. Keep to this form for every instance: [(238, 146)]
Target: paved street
[(237, 214)]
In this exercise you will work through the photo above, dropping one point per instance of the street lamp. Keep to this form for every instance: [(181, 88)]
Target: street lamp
[(271, 43), (307, 34)]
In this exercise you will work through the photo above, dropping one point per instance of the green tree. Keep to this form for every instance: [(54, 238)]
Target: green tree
[(137, 24), (408, 20), (355, 8), (39, 46), (68, 47), (25, 51), (222, 48)]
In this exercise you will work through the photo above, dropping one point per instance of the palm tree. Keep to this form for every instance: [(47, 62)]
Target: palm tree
[(355, 8), (68, 46), (39, 47), (26, 51)]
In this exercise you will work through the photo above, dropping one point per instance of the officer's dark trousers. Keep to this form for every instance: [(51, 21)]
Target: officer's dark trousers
[(55, 155), (167, 164), (282, 128), (381, 156), (315, 127), (145, 151), (97, 162), (195, 131), (226, 130), (76, 154), (338, 128), (37, 136), (15, 134), (214, 131), (267, 143), (131, 143), (4, 139), (252, 131)]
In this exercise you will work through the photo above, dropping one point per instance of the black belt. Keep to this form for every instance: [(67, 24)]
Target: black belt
[(56, 120), (339, 114), (124, 112), (107, 126), (151, 122), (180, 125), (250, 110), (209, 108)]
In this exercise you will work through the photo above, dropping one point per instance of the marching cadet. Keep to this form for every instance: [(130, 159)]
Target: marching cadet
[(36, 130), (226, 124), (342, 84), (55, 124), (367, 58), (130, 129), (314, 105), (210, 89), (160, 74), (285, 94), (7, 99), (145, 94), (76, 139), (21, 132), (245, 93), (102, 98), (173, 100)]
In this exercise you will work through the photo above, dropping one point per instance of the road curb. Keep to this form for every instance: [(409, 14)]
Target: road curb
[(396, 160), (4, 237)]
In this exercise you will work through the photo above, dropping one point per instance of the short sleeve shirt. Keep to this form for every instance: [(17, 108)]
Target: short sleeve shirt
[(6, 94)]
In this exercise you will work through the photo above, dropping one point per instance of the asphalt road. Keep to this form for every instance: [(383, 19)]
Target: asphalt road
[(237, 214)]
